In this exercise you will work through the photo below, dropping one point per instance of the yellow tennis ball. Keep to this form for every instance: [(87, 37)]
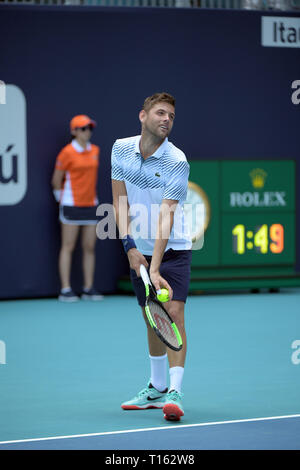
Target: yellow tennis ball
[(163, 295)]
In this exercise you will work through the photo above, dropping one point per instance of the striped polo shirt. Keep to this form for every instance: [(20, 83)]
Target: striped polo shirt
[(163, 175)]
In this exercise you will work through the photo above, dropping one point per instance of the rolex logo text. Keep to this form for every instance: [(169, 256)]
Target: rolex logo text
[(258, 199)]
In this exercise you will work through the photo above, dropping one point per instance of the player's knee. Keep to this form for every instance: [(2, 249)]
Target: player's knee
[(177, 316)]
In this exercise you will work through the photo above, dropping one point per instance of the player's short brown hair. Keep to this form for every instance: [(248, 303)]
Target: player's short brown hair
[(157, 98)]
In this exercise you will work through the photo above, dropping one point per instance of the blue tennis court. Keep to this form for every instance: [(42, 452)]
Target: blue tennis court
[(65, 369)]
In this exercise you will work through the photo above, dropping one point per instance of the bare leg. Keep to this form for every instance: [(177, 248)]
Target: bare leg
[(176, 310), (89, 238), (69, 234), (157, 347)]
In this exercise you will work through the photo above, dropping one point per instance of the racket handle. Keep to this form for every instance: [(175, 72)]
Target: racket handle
[(144, 274)]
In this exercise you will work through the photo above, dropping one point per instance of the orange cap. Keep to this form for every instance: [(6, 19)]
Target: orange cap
[(81, 121)]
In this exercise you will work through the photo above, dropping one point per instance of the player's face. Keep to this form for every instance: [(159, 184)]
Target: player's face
[(159, 120)]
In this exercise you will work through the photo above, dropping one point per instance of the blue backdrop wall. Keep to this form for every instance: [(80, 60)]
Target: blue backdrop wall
[(233, 102)]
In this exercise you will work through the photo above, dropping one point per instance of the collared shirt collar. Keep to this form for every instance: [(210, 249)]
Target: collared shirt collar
[(78, 147), (157, 154)]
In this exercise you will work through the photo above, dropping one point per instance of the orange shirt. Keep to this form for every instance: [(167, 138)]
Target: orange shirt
[(81, 167)]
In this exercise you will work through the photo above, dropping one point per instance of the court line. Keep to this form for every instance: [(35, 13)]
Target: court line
[(178, 426)]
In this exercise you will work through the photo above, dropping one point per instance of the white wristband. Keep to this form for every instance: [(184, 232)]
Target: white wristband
[(57, 194)]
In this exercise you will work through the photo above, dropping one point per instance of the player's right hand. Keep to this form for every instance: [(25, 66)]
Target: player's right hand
[(136, 258)]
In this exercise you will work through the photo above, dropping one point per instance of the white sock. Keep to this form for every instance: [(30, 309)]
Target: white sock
[(176, 376), (159, 372)]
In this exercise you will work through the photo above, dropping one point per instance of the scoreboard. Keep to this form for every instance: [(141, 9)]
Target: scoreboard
[(248, 230)]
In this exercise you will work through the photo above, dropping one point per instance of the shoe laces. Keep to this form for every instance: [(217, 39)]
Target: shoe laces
[(174, 395), (143, 392)]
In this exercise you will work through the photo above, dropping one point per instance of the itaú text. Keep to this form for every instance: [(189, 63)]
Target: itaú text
[(256, 199)]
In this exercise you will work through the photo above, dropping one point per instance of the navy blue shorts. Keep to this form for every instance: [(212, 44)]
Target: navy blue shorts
[(175, 268)]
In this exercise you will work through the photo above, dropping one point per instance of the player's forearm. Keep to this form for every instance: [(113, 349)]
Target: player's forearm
[(135, 258), (158, 252)]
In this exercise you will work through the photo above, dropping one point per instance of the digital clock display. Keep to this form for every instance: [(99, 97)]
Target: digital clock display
[(254, 239), (262, 239)]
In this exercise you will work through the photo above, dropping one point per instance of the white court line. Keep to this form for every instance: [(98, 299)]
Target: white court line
[(178, 426)]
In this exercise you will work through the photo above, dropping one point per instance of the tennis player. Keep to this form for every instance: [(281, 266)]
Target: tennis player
[(150, 177), (74, 185)]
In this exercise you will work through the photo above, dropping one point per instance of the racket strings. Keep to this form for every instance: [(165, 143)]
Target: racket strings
[(163, 323)]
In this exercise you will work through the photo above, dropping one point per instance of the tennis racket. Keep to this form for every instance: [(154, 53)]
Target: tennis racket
[(158, 317)]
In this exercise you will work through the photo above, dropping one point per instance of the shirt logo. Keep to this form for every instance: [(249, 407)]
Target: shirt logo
[(157, 174)]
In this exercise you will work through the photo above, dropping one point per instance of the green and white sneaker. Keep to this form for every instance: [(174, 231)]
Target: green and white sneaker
[(173, 409), (147, 398)]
